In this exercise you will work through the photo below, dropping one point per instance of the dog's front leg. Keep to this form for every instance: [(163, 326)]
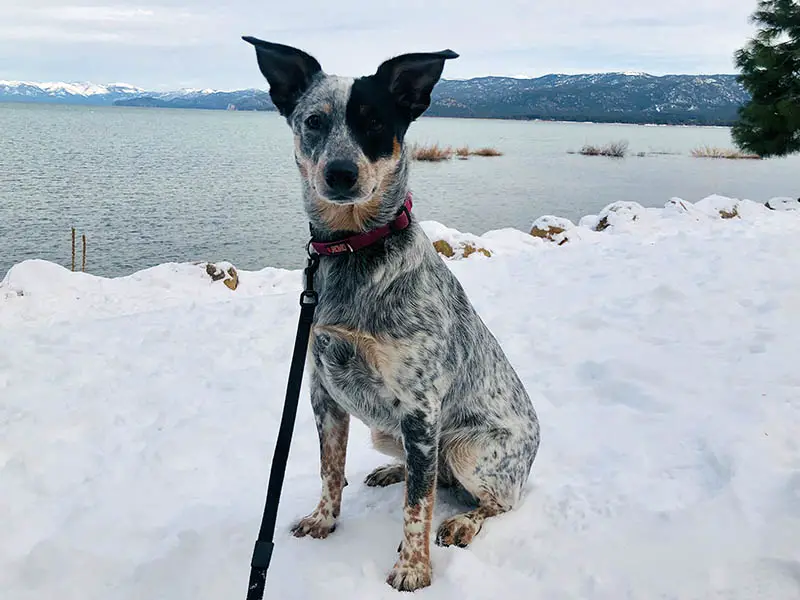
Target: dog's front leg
[(420, 431), (333, 425)]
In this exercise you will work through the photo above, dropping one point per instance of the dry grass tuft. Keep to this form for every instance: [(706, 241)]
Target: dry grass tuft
[(613, 149), (487, 152), (437, 153), (431, 153), (727, 153), (729, 214)]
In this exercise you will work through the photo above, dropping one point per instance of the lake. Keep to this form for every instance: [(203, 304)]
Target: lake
[(149, 186)]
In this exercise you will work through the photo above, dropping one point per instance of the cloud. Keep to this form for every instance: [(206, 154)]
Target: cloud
[(95, 13), (168, 43)]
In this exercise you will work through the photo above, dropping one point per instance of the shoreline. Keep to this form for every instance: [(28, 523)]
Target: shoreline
[(628, 218), (558, 120)]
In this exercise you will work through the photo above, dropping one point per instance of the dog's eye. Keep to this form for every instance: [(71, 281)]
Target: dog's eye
[(314, 122), (374, 125)]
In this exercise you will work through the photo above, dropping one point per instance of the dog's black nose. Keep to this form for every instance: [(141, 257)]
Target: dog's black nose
[(341, 175)]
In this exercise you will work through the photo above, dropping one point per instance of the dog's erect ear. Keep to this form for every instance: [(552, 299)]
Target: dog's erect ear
[(288, 71), (411, 77)]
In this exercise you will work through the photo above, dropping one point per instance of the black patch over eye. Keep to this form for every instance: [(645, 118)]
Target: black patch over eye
[(314, 122), (374, 126), (372, 118)]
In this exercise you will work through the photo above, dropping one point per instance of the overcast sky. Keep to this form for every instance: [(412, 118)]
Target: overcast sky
[(167, 44)]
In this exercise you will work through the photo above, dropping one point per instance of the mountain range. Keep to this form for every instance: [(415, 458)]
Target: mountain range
[(604, 97), (67, 93)]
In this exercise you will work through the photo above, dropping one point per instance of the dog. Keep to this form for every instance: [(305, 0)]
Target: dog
[(396, 342)]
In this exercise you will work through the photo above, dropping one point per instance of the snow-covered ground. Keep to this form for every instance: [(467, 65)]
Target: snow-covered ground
[(139, 416)]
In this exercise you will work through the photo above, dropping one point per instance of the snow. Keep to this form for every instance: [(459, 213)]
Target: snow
[(502, 242), (549, 221), (139, 416), (186, 93), (122, 85), (784, 203)]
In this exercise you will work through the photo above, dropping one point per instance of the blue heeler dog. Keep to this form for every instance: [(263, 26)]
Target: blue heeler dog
[(396, 342)]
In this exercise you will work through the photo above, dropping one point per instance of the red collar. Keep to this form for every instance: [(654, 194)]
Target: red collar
[(362, 240)]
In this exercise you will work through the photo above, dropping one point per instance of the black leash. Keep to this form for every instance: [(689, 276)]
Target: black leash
[(262, 553)]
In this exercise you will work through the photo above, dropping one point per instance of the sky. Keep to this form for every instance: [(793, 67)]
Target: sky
[(171, 44)]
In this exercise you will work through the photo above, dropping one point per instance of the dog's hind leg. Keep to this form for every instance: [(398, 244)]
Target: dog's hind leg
[(492, 469), (333, 425), (461, 529), (387, 474), (387, 444)]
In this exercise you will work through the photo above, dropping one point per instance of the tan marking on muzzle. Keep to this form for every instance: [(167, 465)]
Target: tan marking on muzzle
[(348, 217), (303, 164), (376, 175)]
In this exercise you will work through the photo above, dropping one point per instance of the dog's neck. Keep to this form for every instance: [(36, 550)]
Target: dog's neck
[(365, 239), (328, 222)]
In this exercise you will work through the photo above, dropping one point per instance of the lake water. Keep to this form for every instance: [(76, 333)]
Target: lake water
[(149, 186)]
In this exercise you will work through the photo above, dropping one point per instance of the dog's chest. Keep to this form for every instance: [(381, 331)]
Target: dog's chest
[(354, 362), (354, 370)]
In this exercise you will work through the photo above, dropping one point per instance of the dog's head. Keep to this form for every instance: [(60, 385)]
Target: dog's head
[(349, 133)]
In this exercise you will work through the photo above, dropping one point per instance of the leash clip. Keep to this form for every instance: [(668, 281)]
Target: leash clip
[(309, 297)]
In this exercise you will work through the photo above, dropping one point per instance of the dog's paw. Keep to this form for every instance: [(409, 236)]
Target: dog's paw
[(386, 475), (457, 531), (407, 576), (314, 525)]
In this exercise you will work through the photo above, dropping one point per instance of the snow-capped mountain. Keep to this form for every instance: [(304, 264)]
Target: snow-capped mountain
[(620, 97), (77, 93)]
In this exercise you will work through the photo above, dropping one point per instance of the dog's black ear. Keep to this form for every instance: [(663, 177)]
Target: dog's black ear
[(411, 77), (288, 71)]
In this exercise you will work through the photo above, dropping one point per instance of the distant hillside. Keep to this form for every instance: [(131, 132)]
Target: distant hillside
[(626, 97), (609, 97), (209, 99)]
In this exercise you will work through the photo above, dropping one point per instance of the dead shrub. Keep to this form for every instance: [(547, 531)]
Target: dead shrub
[(726, 153), (613, 149), (431, 153), (487, 152)]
